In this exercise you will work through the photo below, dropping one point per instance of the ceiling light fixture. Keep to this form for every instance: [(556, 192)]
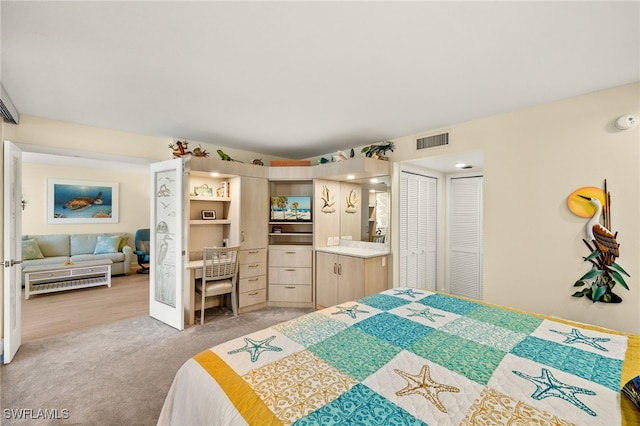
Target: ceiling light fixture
[(350, 177), (215, 174)]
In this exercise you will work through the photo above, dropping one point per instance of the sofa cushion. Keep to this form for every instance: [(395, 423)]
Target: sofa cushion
[(56, 260), (31, 250), (107, 244), (83, 243), (52, 245)]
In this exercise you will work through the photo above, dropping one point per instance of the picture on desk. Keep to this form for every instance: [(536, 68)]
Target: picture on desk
[(290, 208)]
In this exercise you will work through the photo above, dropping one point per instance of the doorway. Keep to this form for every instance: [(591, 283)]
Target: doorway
[(32, 204)]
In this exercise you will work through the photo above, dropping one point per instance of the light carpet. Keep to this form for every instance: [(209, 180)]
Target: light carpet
[(116, 374)]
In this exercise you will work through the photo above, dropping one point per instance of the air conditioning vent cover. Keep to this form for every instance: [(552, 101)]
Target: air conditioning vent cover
[(9, 112), (432, 141)]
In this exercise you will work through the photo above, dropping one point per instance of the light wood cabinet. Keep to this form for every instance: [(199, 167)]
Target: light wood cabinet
[(291, 275), (341, 278), (252, 270)]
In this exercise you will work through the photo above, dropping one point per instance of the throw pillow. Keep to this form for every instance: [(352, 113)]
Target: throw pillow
[(31, 250), (107, 244)]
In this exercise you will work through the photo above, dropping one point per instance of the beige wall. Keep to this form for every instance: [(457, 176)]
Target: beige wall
[(533, 159)]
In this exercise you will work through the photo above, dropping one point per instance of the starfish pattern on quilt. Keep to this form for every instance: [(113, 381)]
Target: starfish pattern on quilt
[(424, 313), (547, 385), (351, 311), (575, 336), (256, 347), (423, 384), (407, 291)]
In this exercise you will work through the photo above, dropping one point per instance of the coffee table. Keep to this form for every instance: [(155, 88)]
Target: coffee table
[(60, 277)]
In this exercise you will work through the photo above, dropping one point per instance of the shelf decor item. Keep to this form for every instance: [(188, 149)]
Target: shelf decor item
[(203, 190), (208, 214)]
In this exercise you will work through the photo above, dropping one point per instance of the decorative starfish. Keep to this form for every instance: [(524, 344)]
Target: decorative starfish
[(255, 347), (409, 292), (576, 337), (425, 313), (351, 311), (423, 384), (547, 385)]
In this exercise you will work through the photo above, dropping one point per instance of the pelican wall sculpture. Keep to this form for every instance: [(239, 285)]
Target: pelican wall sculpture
[(604, 248)]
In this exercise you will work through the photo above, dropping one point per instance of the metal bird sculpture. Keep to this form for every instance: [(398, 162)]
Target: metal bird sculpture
[(604, 239)]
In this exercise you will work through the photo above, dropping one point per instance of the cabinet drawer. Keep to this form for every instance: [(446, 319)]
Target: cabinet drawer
[(290, 275), (253, 269), (300, 257), (289, 293), (253, 256), (48, 274), (90, 270), (252, 284), (252, 298)]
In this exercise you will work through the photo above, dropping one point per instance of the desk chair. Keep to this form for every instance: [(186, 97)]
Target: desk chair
[(142, 240), (219, 274), (378, 238)]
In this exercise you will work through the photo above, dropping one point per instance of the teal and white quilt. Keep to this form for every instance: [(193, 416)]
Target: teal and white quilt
[(407, 356)]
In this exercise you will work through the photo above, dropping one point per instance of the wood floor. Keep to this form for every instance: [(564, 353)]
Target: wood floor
[(54, 313)]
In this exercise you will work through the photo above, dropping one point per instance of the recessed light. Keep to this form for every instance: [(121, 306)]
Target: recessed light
[(215, 174), (461, 165), (374, 180), (350, 177)]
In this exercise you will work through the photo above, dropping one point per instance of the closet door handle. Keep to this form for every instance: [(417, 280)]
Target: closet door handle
[(339, 268), (335, 268)]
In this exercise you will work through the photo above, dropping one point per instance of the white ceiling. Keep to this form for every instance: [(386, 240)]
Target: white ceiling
[(299, 79)]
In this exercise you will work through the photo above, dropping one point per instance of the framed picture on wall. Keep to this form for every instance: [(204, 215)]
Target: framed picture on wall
[(80, 201)]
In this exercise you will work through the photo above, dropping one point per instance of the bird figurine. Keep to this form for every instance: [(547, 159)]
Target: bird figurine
[(327, 200), (604, 239)]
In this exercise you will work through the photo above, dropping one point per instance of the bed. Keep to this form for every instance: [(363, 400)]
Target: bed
[(410, 356)]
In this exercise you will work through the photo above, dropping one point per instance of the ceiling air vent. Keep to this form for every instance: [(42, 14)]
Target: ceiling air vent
[(432, 141), (9, 112)]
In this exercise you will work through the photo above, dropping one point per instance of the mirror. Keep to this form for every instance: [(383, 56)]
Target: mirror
[(365, 207)]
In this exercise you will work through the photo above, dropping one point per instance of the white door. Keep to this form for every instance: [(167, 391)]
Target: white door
[(168, 245), (12, 250), (418, 231), (465, 237)]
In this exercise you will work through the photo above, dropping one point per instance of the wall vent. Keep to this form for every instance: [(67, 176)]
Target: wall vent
[(9, 112), (432, 141)]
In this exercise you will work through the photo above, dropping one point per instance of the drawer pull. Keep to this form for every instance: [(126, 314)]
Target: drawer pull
[(290, 252), (290, 270), (253, 294), (254, 251), (290, 286), (253, 279), (253, 266)]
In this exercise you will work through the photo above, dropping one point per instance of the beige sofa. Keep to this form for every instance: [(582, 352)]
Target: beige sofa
[(52, 249)]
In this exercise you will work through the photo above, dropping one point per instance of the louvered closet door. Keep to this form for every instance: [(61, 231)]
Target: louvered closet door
[(465, 237), (418, 231), (427, 233)]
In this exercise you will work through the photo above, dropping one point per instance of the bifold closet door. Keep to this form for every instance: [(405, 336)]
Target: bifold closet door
[(418, 231), (465, 237)]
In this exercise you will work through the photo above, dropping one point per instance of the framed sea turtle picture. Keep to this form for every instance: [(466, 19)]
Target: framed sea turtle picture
[(79, 201)]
